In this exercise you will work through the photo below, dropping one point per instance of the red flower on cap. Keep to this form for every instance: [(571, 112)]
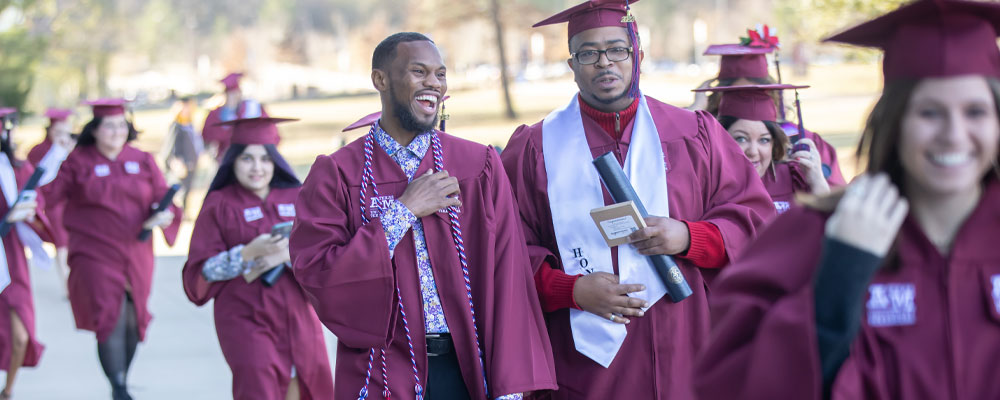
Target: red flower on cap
[(761, 38)]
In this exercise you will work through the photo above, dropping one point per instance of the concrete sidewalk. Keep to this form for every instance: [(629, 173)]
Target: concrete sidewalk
[(180, 358)]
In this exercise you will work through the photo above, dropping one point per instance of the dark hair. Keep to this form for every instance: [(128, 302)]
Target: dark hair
[(284, 176), (87, 138), (385, 52), (878, 149), (715, 97), (780, 141), (6, 144)]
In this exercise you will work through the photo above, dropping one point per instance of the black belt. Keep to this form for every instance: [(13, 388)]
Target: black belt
[(439, 344)]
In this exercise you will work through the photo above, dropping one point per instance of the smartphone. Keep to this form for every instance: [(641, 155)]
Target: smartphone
[(283, 229)]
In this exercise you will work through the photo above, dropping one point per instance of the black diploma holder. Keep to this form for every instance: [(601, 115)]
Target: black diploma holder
[(283, 229), (26, 194), (165, 202), (621, 191)]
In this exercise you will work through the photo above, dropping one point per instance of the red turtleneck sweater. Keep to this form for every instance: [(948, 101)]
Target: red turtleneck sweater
[(706, 249)]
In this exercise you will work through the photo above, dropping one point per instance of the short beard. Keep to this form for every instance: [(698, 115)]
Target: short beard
[(613, 99), (407, 120)]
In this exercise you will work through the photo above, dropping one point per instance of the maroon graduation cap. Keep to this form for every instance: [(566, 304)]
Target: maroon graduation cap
[(933, 38), (5, 111), (107, 107), (750, 102), (232, 81), (260, 130), (367, 120), (600, 13), (739, 61), (57, 114)]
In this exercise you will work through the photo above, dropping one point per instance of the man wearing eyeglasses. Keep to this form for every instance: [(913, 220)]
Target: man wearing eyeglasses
[(614, 333)]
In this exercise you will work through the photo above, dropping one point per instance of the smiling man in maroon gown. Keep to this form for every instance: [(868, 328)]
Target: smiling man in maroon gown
[(408, 243), (705, 203)]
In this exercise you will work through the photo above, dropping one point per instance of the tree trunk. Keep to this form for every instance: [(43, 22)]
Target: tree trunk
[(504, 81)]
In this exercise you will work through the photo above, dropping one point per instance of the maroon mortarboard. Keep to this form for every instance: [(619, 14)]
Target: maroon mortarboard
[(58, 114), (751, 102), (5, 111), (232, 81), (107, 107), (933, 38), (600, 13), (367, 120), (260, 130), (739, 61)]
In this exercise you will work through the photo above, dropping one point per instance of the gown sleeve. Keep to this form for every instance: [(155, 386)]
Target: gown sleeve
[(345, 269)]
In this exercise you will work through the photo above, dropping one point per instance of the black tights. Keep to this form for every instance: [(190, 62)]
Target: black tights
[(117, 351)]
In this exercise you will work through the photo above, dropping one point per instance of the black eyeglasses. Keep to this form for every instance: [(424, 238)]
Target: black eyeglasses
[(614, 54)]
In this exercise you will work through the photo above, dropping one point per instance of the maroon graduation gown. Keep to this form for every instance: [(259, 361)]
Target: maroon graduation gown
[(708, 179), (782, 182), (211, 133), (263, 331), (54, 209), (17, 296), (106, 203), (764, 345), (346, 269)]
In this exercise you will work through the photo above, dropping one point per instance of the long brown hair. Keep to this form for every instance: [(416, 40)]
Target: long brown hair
[(878, 150)]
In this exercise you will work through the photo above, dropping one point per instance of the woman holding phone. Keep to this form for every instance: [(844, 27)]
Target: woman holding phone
[(108, 188), (890, 289), (269, 333)]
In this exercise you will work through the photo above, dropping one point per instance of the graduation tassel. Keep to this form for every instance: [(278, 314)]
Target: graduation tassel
[(781, 97), (444, 117), (629, 21), (798, 111)]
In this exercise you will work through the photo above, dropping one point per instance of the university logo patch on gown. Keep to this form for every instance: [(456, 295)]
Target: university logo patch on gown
[(102, 170), (891, 304), (378, 205), (132, 167), (252, 214), (995, 280), (781, 206), (286, 210)]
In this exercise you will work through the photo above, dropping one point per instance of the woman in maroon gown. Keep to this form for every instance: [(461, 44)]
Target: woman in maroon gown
[(748, 113), (19, 346), (52, 151), (890, 289), (269, 332), (109, 188), (745, 63)]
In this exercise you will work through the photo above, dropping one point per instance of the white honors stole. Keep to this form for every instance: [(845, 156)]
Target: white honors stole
[(575, 188), (24, 231)]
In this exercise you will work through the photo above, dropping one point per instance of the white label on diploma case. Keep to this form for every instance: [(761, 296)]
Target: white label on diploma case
[(617, 228), (102, 170), (132, 167), (252, 214)]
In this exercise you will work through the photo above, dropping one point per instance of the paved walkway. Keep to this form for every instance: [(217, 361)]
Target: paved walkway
[(180, 359)]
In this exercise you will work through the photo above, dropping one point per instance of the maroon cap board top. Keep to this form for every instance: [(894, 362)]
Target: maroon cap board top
[(232, 81), (589, 15), (751, 102), (260, 130), (933, 38), (58, 114), (5, 111), (739, 61), (107, 107)]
